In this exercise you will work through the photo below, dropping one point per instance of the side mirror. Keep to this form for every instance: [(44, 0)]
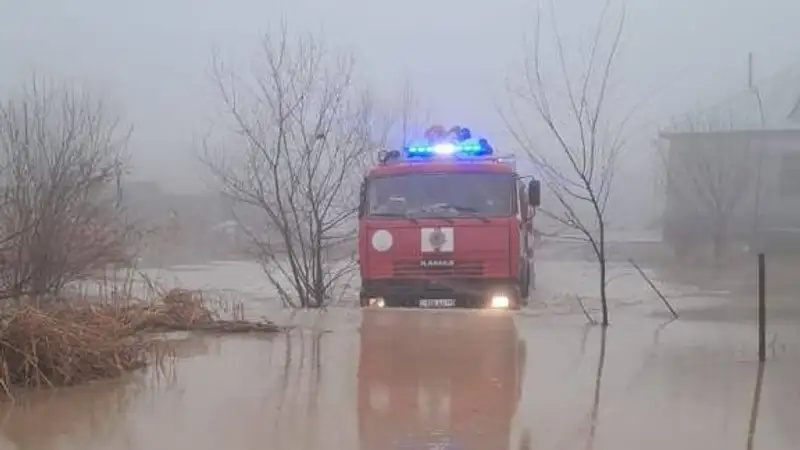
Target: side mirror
[(534, 193), (362, 199)]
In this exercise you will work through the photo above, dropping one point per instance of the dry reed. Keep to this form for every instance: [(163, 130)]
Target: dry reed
[(65, 343)]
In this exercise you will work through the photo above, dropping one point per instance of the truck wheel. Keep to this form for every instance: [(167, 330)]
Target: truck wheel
[(527, 286), (518, 303), (519, 299), (524, 286), (524, 294)]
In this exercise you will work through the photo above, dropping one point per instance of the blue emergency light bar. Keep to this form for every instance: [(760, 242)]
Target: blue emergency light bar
[(471, 147)]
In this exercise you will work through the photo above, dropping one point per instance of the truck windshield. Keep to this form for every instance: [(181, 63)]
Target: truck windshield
[(441, 195)]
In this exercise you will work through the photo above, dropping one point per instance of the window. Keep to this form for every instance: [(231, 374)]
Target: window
[(790, 175)]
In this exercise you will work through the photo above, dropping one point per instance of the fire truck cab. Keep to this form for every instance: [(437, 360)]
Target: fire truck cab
[(446, 223)]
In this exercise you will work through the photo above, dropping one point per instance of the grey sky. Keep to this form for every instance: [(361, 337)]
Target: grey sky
[(151, 57)]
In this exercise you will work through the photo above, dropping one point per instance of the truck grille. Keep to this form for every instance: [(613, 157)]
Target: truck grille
[(413, 269)]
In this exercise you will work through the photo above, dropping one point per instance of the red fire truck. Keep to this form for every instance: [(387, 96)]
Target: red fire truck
[(438, 380), (446, 223)]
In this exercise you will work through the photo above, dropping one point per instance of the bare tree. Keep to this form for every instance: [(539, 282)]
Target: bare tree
[(303, 133), (710, 175), (62, 155), (412, 117), (576, 116)]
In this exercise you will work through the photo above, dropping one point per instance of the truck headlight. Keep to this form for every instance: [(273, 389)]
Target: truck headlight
[(379, 302), (500, 301)]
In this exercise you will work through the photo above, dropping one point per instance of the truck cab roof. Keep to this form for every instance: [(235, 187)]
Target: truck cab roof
[(407, 166)]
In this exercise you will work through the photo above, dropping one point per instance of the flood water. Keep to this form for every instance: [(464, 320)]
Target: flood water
[(484, 380)]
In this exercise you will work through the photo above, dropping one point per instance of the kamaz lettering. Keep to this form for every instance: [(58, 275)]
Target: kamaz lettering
[(437, 263)]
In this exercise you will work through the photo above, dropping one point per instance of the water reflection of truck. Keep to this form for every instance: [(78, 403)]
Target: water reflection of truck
[(438, 380), (446, 223)]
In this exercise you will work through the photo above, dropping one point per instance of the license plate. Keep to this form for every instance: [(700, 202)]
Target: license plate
[(437, 303)]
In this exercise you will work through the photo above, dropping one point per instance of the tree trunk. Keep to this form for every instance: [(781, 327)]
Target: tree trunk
[(720, 238), (602, 260)]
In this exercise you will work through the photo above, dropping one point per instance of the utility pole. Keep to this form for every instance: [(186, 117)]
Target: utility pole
[(756, 239)]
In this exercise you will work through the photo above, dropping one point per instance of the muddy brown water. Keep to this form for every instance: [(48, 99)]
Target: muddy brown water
[(383, 380)]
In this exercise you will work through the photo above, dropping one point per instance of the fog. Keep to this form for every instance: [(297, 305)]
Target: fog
[(151, 59), (254, 212)]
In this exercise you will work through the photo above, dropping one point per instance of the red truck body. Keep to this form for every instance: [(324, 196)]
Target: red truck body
[(465, 256)]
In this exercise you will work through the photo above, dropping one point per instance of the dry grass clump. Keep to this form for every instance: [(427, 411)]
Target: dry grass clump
[(65, 343), (184, 310)]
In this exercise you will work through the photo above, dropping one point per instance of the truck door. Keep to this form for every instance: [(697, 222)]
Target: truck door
[(524, 239)]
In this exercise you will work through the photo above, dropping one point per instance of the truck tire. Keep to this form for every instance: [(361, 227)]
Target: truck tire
[(525, 283), (519, 300), (527, 287)]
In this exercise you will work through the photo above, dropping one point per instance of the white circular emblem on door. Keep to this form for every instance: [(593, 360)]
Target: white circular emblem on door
[(382, 240)]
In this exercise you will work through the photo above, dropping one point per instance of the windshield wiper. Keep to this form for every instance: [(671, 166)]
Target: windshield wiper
[(471, 211), (399, 215), (432, 208)]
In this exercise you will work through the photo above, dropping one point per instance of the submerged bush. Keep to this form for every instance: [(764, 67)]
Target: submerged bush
[(65, 343)]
